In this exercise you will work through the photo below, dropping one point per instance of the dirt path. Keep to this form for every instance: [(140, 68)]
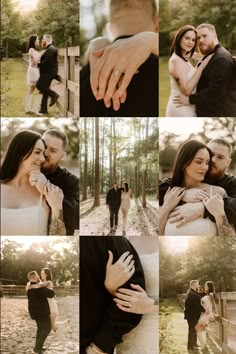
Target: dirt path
[(18, 330), (141, 221)]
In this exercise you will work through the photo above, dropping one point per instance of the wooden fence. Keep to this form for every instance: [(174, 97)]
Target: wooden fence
[(227, 325), (19, 290), (68, 89)]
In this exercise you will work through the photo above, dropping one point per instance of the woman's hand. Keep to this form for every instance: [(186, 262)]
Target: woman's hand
[(195, 195), (134, 301), (115, 67), (173, 197), (206, 61), (119, 273), (54, 197)]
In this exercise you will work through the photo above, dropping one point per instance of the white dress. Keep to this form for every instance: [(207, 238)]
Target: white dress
[(29, 221), (198, 227), (125, 205), (184, 111), (207, 304), (33, 70), (143, 339)]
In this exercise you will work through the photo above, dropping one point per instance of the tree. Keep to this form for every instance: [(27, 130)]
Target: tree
[(144, 203), (85, 160), (97, 179)]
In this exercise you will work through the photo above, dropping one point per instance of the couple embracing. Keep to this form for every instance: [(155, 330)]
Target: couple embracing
[(118, 198), (42, 69)]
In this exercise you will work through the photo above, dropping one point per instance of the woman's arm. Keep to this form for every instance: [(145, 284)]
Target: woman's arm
[(171, 200), (215, 206), (135, 301), (178, 70)]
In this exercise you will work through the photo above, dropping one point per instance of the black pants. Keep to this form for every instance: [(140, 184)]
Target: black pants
[(113, 214), (43, 85), (192, 334), (43, 330)]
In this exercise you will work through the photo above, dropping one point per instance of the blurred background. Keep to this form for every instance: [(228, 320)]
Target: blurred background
[(174, 131)]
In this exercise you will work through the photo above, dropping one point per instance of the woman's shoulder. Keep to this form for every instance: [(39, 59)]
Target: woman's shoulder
[(219, 190)]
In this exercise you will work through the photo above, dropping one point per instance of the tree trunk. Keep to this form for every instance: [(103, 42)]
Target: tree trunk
[(97, 179), (144, 203), (85, 160), (110, 158), (114, 149), (92, 174), (102, 160)]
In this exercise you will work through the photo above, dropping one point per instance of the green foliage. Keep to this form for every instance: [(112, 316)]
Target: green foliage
[(16, 261)]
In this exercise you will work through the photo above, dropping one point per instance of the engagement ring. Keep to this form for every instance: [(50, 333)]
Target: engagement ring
[(116, 73)]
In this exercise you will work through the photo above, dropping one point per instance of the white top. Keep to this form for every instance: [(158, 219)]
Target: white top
[(30, 221), (184, 111), (143, 339)]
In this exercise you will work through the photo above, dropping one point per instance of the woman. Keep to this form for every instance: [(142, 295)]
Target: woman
[(144, 338), (46, 276), (190, 168), (24, 211), (208, 303), (126, 194), (183, 76), (33, 74)]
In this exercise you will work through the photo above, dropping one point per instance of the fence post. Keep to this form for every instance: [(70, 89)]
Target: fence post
[(224, 328), (71, 77), (66, 68)]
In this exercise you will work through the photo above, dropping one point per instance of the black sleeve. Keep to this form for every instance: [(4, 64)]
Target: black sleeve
[(71, 205), (219, 74), (108, 197), (116, 323), (49, 292), (163, 186)]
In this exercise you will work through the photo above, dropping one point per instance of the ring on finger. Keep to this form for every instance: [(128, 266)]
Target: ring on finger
[(116, 73)]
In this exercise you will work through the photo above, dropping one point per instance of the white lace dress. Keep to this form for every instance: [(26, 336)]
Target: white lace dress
[(184, 111), (143, 339), (125, 205), (207, 304), (33, 70), (30, 221)]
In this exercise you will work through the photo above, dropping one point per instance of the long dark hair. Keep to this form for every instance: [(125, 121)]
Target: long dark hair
[(184, 157), (31, 42), (126, 187), (175, 46), (18, 150), (48, 273), (211, 287)]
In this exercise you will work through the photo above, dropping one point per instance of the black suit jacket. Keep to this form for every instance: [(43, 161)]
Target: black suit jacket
[(113, 198), (216, 89), (48, 64), (142, 94), (101, 320), (192, 306), (38, 303), (69, 184)]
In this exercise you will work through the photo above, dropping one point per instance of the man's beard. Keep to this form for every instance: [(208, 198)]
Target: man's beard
[(215, 176), (206, 51), (48, 168)]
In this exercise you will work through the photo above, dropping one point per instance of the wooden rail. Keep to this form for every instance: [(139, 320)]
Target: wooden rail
[(68, 89), (226, 326), (19, 290)]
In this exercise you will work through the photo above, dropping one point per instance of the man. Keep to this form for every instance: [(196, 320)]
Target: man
[(192, 312), (39, 311), (216, 89), (127, 18), (102, 323), (217, 175), (56, 143), (113, 201), (48, 68)]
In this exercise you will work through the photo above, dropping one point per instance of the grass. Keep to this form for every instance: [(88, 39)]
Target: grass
[(173, 328), (164, 85), (14, 89)]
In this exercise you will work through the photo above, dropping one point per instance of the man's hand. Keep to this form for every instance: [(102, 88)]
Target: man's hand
[(38, 180), (185, 213), (194, 195), (181, 101)]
